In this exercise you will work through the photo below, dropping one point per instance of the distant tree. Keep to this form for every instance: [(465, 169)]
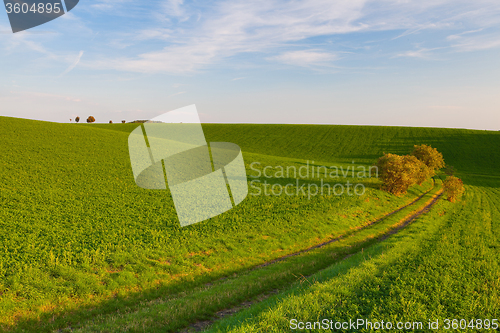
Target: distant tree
[(70, 120), (398, 173), (430, 156), (453, 188), (77, 119), (111, 121), (90, 119), (123, 121)]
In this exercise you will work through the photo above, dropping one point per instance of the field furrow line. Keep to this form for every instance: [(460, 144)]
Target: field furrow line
[(401, 224)]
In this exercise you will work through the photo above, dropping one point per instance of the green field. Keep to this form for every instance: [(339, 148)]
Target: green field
[(445, 267), (82, 246)]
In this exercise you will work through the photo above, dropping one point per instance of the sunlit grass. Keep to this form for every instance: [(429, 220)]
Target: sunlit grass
[(79, 239)]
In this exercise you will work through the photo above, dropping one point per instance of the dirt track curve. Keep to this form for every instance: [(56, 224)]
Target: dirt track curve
[(201, 325)]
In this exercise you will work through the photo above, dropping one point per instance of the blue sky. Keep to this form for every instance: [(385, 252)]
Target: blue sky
[(388, 62)]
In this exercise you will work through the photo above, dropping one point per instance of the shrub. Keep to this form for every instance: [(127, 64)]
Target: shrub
[(422, 172), (77, 119), (453, 188), (111, 121), (430, 157), (398, 173), (90, 119), (123, 121)]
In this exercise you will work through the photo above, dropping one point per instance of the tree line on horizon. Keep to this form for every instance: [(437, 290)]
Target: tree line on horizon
[(91, 119)]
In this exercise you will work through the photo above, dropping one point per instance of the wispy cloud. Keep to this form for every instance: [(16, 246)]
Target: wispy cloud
[(230, 28), (156, 33), (420, 28), (23, 42), (305, 58), (477, 43), (422, 53), (240, 27), (73, 65), (458, 36), (107, 5), (174, 8), (179, 37)]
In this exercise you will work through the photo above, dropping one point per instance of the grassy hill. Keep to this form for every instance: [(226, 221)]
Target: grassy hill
[(471, 151), (75, 230), (444, 268)]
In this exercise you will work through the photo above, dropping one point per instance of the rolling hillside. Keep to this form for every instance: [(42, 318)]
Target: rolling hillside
[(443, 269), (79, 238)]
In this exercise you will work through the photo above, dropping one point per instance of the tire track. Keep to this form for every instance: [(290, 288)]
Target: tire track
[(336, 239), (202, 325)]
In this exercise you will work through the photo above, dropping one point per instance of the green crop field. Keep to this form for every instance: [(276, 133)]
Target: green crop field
[(82, 248), (444, 268)]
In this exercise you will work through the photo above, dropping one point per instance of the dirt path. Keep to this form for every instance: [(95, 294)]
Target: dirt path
[(336, 239), (201, 325)]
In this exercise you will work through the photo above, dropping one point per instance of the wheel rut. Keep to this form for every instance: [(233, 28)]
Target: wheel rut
[(202, 325)]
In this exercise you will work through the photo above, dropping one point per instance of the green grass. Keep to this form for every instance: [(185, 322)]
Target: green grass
[(174, 313), (443, 266), (80, 239)]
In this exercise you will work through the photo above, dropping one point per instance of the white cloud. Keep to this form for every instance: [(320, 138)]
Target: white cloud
[(23, 42), (477, 43), (229, 28), (73, 65), (157, 33), (422, 53), (458, 36), (239, 27), (305, 58), (174, 8), (108, 5)]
